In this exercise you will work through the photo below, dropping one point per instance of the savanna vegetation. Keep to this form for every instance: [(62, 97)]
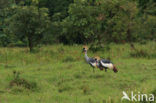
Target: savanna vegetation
[(59, 74), (41, 59)]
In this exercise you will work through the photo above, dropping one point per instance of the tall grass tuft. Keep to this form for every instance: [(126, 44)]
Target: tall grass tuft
[(104, 101), (60, 50), (69, 59), (95, 48), (63, 88), (21, 82), (144, 50), (139, 53), (86, 89), (90, 100)]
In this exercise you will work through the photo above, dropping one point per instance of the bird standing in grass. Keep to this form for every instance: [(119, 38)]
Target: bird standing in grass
[(89, 60), (106, 64)]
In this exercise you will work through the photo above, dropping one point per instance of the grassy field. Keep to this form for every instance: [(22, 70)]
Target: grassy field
[(59, 74)]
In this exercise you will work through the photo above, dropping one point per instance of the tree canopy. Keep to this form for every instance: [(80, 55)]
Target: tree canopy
[(32, 22), (29, 23)]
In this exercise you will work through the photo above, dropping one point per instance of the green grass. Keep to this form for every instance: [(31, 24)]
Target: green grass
[(62, 76)]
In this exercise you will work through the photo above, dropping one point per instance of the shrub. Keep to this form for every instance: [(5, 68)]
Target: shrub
[(139, 53), (86, 89), (61, 50), (21, 82), (95, 48), (64, 88)]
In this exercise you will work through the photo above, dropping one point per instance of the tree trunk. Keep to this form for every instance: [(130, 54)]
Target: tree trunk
[(30, 43)]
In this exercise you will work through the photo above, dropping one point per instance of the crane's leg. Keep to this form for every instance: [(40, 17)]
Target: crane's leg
[(105, 69), (101, 68), (93, 70)]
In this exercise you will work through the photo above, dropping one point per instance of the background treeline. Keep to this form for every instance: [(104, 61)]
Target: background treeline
[(33, 22)]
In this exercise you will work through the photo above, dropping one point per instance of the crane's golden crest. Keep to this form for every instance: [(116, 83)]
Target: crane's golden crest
[(97, 57), (85, 47)]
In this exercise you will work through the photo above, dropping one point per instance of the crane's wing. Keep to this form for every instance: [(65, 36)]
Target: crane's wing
[(92, 62), (106, 63)]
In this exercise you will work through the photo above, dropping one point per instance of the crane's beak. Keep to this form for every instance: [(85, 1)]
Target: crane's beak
[(83, 50)]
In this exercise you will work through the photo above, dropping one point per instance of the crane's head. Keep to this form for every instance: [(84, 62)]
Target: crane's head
[(115, 69), (84, 49), (97, 59)]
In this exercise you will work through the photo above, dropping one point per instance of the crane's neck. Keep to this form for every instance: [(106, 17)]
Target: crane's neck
[(98, 63), (86, 56)]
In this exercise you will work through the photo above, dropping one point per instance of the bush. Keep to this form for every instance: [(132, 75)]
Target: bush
[(18, 44), (61, 50), (139, 53), (21, 82), (95, 48)]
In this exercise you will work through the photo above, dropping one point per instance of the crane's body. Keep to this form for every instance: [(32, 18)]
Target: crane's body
[(106, 64), (89, 60), (97, 62)]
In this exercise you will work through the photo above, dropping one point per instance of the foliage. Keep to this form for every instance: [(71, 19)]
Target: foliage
[(5, 3), (18, 81), (96, 22), (80, 23), (95, 48), (4, 8), (99, 22), (145, 29), (30, 23), (147, 7), (139, 53), (56, 6)]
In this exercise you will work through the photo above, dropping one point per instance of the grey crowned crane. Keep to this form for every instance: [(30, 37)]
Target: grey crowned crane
[(89, 60), (106, 64)]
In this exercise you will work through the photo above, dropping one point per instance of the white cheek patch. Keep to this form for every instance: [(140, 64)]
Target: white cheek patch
[(108, 65)]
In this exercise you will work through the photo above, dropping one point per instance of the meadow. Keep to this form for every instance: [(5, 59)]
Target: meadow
[(59, 74)]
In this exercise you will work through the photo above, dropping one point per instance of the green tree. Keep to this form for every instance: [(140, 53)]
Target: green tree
[(5, 3), (120, 20), (4, 7), (79, 26), (29, 22), (99, 21), (56, 6), (146, 19), (147, 6)]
